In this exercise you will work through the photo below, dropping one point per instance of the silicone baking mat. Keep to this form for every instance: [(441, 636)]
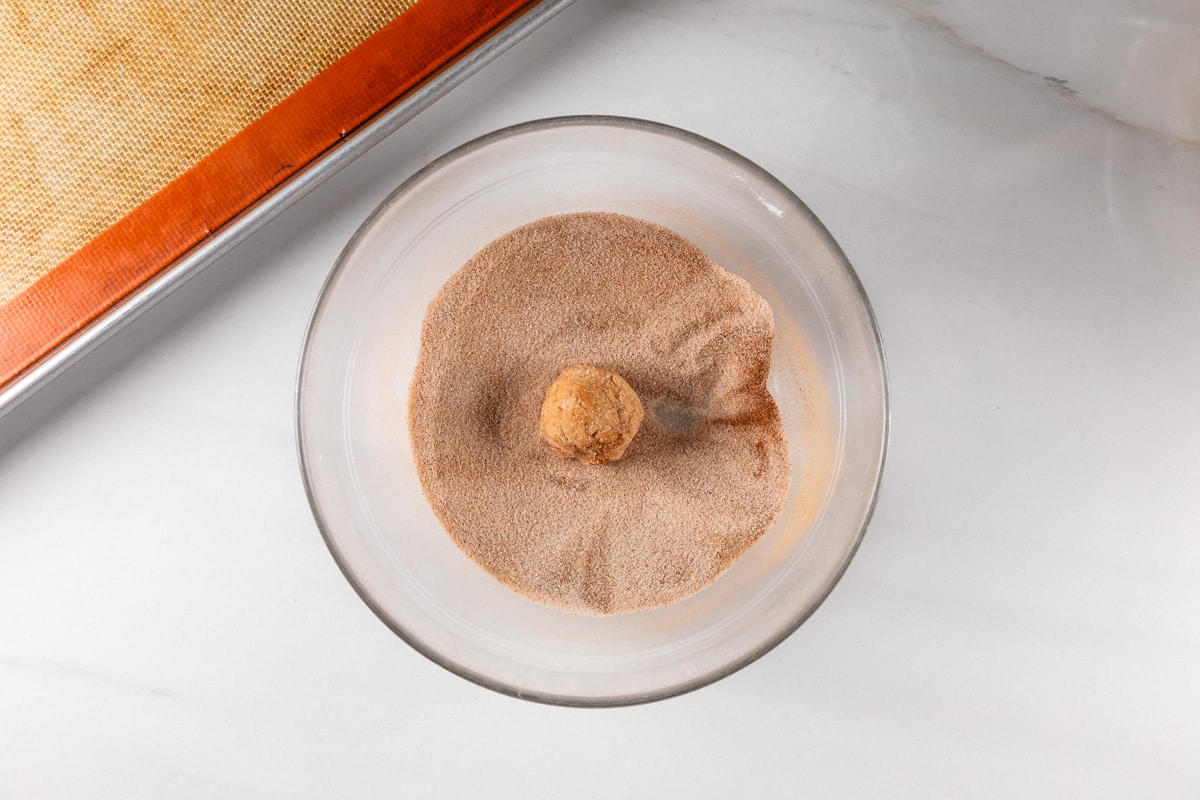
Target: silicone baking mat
[(131, 131)]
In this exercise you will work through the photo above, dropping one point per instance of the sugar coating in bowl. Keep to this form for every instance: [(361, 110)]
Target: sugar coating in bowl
[(639, 515)]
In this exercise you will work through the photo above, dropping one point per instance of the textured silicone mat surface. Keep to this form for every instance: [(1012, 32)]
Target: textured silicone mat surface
[(104, 103)]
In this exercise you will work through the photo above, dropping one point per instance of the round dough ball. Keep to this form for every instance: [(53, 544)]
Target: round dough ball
[(590, 414)]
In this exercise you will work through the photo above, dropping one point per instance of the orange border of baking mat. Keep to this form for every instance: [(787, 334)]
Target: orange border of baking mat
[(391, 63)]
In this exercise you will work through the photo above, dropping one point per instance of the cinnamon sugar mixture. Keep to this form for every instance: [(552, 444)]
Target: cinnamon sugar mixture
[(707, 472)]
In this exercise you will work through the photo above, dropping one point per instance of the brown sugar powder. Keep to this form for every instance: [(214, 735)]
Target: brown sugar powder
[(705, 476)]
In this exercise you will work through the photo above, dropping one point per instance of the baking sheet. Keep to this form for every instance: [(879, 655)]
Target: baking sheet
[(107, 234)]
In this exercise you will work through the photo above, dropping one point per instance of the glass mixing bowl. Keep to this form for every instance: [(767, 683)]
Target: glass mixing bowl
[(827, 376)]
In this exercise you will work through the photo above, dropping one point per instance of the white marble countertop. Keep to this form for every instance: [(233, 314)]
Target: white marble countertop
[(1018, 186)]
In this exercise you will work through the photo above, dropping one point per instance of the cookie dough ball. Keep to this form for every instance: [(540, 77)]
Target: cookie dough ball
[(590, 414)]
